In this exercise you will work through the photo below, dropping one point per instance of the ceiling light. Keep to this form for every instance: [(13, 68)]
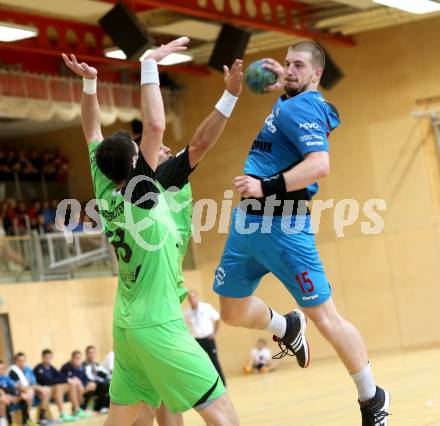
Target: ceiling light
[(412, 6), (115, 53), (172, 59), (13, 32)]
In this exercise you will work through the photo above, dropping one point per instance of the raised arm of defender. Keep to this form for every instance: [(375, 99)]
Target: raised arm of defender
[(212, 126), (153, 113), (90, 112)]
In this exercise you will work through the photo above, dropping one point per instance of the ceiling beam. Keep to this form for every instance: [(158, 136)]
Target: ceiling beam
[(55, 32), (134, 6), (286, 16), (358, 4), (56, 36)]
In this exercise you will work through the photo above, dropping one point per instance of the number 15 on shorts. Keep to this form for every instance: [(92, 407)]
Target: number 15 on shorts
[(305, 283)]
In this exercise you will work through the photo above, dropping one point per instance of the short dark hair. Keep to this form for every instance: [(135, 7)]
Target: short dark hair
[(74, 353), (46, 352), (114, 156), (89, 347), (18, 355), (314, 48)]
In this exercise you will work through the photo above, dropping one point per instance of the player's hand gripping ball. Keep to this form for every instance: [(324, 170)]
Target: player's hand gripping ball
[(258, 78)]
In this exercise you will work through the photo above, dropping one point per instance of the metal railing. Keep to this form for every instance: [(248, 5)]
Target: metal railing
[(27, 190), (45, 257), (49, 256)]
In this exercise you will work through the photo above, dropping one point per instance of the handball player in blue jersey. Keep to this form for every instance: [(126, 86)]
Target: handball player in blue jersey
[(287, 158)]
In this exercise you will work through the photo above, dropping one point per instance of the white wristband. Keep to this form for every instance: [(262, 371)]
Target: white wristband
[(149, 72), (89, 85), (226, 104)]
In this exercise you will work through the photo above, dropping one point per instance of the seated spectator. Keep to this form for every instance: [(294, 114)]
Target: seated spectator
[(6, 168), (101, 377), (22, 222), (12, 163), (59, 384), (74, 371), (36, 161), (33, 211), (26, 170), (49, 214), (49, 166), (40, 227), (61, 167), (260, 360), (53, 206), (10, 216), (14, 393), (24, 375)]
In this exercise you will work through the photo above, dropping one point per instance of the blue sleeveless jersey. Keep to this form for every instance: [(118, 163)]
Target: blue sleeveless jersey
[(296, 127)]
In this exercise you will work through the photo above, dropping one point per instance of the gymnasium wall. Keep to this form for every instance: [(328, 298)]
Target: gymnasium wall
[(386, 284), (60, 315)]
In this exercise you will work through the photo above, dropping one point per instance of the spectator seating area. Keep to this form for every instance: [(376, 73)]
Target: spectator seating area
[(21, 218), (24, 175), (45, 394), (32, 165), (38, 244)]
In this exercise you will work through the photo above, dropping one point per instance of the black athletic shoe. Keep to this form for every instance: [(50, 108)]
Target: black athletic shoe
[(375, 411), (294, 342)]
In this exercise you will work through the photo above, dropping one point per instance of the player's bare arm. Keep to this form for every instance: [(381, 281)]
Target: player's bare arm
[(90, 112), (315, 166), (212, 126), (152, 108)]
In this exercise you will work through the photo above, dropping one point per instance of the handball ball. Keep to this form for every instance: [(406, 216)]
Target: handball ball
[(257, 77)]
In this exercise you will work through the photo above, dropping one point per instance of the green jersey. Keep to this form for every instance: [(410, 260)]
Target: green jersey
[(172, 175), (181, 212), (183, 220), (154, 351), (144, 238)]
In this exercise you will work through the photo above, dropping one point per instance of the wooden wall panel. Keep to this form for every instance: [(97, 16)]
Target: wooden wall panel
[(60, 315)]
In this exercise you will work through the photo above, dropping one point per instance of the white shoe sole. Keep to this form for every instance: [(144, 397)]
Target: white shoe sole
[(386, 407), (303, 336)]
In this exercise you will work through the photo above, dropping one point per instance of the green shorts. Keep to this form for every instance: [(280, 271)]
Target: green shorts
[(162, 363)]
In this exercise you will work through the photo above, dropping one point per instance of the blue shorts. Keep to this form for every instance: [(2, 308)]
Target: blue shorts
[(287, 250)]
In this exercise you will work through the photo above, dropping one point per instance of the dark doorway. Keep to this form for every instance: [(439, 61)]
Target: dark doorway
[(6, 349)]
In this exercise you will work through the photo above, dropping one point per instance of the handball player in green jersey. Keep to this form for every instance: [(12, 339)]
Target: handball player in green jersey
[(156, 359), (172, 174)]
